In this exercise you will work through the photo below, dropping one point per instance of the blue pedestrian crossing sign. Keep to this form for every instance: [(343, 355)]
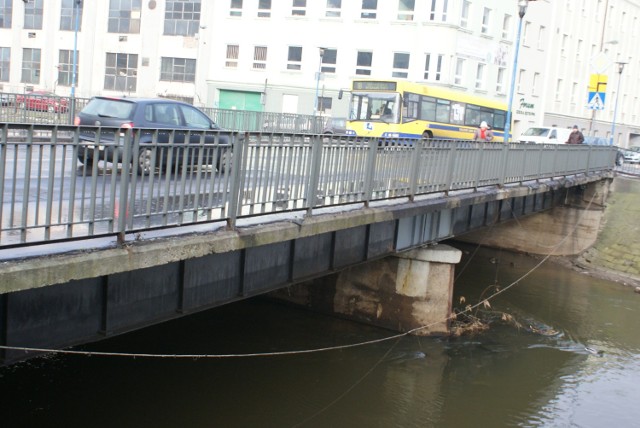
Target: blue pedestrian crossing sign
[(596, 100), (597, 91)]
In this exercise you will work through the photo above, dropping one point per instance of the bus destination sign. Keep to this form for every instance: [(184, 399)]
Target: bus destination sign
[(367, 85)]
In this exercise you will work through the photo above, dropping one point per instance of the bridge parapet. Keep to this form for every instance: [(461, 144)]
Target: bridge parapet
[(52, 193)]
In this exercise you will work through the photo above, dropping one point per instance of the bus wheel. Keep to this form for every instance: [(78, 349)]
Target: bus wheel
[(426, 135)]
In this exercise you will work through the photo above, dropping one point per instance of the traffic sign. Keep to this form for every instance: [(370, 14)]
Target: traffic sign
[(596, 100)]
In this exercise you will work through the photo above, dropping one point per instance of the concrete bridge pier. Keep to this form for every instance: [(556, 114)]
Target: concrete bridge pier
[(408, 292)]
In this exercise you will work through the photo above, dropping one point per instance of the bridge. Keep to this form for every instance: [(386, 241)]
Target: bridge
[(92, 249)]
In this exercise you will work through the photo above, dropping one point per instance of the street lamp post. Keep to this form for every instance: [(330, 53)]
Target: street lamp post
[(615, 107), (315, 104), (522, 9), (76, 16)]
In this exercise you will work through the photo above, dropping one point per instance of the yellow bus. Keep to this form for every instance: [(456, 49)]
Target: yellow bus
[(401, 109)]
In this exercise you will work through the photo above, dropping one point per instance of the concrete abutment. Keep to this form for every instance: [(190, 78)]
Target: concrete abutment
[(408, 292)]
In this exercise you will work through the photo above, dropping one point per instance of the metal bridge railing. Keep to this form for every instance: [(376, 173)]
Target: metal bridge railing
[(55, 110), (51, 191)]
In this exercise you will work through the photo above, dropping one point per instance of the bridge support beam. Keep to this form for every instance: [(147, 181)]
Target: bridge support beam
[(567, 229), (409, 292)]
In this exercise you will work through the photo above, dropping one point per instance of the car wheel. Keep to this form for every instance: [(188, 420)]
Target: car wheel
[(85, 160), (145, 158)]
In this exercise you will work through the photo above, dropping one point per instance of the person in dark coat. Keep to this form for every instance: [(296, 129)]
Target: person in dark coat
[(576, 136)]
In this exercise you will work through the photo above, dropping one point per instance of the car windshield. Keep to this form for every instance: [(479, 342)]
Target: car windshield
[(103, 107), (536, 132)]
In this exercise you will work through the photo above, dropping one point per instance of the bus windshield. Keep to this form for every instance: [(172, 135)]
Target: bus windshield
[(374, 106)]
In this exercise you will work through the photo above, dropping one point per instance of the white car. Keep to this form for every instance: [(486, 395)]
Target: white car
[(632, 156)]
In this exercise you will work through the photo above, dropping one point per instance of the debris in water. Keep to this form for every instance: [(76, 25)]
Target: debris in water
[(594, 351)]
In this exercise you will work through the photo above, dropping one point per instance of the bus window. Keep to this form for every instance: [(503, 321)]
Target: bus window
[(499, 119), (472, 116), (443, 108), (428, 109), (410, 111)]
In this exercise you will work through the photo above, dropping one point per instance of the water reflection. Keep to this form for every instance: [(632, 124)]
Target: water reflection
[(586, 374)]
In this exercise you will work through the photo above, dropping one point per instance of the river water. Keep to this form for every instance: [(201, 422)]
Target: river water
[(573, 359)]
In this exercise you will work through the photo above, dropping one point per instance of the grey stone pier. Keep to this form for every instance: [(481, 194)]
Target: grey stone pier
[(409, 292)]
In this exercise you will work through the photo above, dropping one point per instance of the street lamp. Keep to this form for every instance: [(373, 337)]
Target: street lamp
[(76, 16), (522, 9), (315, 104), (615, 108)]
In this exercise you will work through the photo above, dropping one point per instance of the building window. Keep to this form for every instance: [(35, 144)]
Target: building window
[(124, 16), (486, 20), (405, 10), (65, 67), (500, 80), (33, 13), (5, 63), (506, 26), (232, 56), (464, 14), (6, 11), (579, 51), (324, 104), (235, 8), (520, 83), (429, 66), (30, 65), (400, 65), (536, 81), (559, 88), (541, 37), (457, 78), (182, 17), (525, 33), (563, 46), (264, 9), (121, 72), (178, 69), (299, 8), (445, 10), (364, 61), (480, 76), (329, 61), (333, 8), (432, 13), (369, 8), (259, 57), (294, 59), (67, 15)]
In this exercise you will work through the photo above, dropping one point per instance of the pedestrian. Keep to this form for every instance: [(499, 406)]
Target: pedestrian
[(576, 136), (483, 133)]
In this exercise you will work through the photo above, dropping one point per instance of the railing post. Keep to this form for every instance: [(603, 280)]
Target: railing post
[(479, 160), (453, 145), (125, 177), (505, 158), (370, 170), (414, 171), (314, 175), (237, 178)]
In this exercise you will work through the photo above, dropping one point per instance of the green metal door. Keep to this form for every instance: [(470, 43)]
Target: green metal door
[(246, 105)]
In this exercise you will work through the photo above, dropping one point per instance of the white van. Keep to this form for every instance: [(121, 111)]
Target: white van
[(545, 135)]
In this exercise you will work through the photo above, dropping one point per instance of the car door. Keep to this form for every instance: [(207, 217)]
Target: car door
[(201, 127)]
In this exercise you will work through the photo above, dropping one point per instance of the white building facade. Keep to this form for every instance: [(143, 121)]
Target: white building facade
[(294, 56)]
